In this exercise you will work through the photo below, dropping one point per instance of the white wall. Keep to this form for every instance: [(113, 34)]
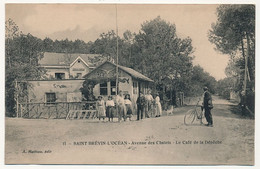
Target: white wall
[(38, 89), (78, 68)]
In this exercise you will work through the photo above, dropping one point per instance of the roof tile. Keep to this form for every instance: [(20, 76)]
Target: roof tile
[(64, 59)]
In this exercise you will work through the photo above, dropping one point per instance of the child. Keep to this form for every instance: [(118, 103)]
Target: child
[(110, 104), (128, 105), (101, 108), (158, 106)]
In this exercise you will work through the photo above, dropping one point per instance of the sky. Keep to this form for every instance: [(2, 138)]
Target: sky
[(88, 21)]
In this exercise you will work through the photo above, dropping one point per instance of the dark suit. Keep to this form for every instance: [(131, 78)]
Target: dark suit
[(207, 104), (141, 102)]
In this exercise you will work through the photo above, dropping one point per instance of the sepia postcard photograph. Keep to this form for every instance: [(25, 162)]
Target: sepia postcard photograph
[(129, 84)]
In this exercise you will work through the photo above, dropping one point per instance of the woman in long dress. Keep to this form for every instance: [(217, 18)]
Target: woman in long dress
[(101, 108), (158, 106)]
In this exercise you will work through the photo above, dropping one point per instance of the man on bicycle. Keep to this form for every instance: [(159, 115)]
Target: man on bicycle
[(207, 106)]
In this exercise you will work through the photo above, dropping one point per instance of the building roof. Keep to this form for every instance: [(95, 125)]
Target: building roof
[(134, 73), (66, 59), (128, 70)]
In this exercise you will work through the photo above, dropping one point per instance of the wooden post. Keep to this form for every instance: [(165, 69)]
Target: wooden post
[(57, 113), (139, 88), (21, 107), (68, 106), (28, 109)]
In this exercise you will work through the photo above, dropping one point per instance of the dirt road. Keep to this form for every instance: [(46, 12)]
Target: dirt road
[(164, 140)]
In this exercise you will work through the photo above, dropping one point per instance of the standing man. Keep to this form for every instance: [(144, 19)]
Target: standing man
[(149, 102), (140, 105), (120, 102), (207, 105)]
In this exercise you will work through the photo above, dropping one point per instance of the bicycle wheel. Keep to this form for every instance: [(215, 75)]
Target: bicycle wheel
[(189, 117)]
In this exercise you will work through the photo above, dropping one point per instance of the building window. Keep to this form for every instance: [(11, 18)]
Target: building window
[(50, 98), (59, 76), (113, 87), (134, 87), (103, 88), (79, 75)]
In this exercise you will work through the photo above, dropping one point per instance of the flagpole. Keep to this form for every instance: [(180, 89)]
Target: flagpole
[(116, 53)]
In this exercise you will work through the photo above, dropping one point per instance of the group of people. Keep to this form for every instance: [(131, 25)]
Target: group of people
[(147, 105), (123, 105)]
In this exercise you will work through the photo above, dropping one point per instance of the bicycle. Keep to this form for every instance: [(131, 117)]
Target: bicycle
[(192, 114)]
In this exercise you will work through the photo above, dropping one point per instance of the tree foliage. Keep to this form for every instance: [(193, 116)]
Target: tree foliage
[(22, 55), (234, 34), (234, 22), (160, 54), (200, 78), (106, 45), (87, 90), (225, 86), (66, 46)]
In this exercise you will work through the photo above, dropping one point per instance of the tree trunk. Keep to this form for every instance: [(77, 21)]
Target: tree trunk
[(243, 49), (7, 53), (249, 68), (245, 73)]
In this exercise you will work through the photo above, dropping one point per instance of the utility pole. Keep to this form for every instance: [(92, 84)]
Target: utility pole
[(116, 53)]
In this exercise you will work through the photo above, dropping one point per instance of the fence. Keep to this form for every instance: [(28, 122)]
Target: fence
[(58, 110), (61, 110)]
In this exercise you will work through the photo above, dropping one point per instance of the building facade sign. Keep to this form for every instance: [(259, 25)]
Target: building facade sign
[(78, 69)]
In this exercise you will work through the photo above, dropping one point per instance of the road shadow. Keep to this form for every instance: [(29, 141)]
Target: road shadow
[(230, 111), (236, 109), (223, 110)]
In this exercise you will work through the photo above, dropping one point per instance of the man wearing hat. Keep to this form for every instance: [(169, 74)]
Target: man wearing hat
[(149, 101), (207, 105), (141, 102), (120, 102)]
